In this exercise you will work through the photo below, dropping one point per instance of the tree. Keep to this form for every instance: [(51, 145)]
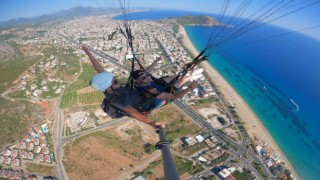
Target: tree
[(149, 148)]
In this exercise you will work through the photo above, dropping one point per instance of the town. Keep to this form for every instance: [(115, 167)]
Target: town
[(218, 147)]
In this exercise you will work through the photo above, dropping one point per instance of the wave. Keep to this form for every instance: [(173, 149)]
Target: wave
[(295, 104)]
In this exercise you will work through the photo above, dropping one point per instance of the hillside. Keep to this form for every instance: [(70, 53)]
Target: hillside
[(196, 21)]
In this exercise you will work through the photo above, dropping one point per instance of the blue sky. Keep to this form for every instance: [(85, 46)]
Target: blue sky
[(10, 9)]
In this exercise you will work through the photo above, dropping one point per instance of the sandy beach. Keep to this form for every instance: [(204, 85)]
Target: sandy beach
[(251, 122)]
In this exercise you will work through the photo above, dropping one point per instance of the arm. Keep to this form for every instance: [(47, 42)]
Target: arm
[(96, 65), (180, 94), (150, 68), (140, 117)]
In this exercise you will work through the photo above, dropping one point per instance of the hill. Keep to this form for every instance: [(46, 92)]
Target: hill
[(196, 20), (64, 14)]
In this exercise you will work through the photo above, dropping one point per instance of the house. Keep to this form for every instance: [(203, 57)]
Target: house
[(45, 150), (10, 174), (31, 177), (7, 160), (5, 173), (24, 154), (39, 130), (30, 146), (47, 158), (30, 155), (36, 141), (27, 138), (40, 158), (43, 143), (6, 152), (18, 174), (14, 152), (1, 159), (37, 149), (22, 145), (16, 162)]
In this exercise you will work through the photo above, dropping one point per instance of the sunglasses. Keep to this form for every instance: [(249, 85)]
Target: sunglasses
[(144, 76)]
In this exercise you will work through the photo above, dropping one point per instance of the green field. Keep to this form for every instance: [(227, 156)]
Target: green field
[(177, 124), (70, 94), (89, 98), (69, 99), (18, 94), (10, 70), (4, 37)]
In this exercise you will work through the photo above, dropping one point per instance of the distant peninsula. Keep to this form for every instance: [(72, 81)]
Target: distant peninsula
[(197, 21)]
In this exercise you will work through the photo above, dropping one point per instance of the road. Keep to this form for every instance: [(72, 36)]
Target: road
[(203, 123), (116, 121), (60, 172)]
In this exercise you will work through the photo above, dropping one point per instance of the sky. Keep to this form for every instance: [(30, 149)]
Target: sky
[(308, 17)]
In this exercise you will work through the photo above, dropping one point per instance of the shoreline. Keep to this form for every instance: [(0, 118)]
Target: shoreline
[(251, 122)]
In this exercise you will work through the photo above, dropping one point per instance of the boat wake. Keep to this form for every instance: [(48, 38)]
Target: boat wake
[(296, 105)]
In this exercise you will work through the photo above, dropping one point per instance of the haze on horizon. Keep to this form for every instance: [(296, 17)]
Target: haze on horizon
[(306, 18)]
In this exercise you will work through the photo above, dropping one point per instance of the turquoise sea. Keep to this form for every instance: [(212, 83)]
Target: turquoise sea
[(279, 77)]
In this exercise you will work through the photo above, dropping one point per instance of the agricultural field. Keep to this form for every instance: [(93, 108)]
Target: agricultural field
[(90, 98), (71, 97), (108, 154)]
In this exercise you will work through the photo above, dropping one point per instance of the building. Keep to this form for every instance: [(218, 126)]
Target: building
[(24, 154), (22, 145), (30, 155), (1, 159), (36, 141), (16, 162), (139, 178), (40, 158), (47, 158), (6, 152), (199, 138), (15, 152), (37, 149), (7, 160), (27, 138), (45, 150), (224, 173), (30, 146), (43, 143)]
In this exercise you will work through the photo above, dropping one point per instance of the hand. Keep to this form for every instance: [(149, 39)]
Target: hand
[(194, 85), (154, 91), (156, 124)]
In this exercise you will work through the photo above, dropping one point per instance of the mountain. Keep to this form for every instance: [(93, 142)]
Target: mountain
[(64, 14)]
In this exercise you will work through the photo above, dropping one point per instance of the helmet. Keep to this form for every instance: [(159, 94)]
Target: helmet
[(101, 81)]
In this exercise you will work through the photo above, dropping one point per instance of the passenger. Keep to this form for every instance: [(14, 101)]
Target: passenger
[(125, 99), (159, 88)]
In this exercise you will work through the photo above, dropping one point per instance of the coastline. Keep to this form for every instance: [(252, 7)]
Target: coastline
[(250, 121)]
